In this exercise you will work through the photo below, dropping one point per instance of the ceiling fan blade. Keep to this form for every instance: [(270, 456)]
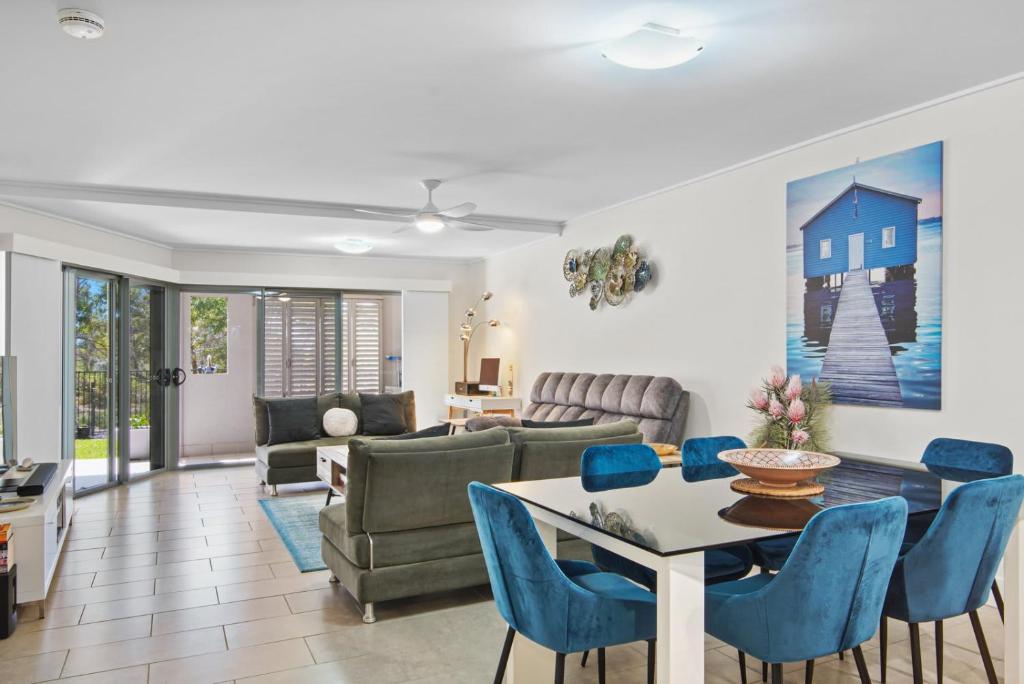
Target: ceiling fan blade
[(385, 212), (469, 225), (459, 210)]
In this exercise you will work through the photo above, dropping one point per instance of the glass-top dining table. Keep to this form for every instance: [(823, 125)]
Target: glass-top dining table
[(666, 521)]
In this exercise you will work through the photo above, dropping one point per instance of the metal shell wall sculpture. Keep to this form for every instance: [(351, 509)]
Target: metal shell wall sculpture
[(609, 275)]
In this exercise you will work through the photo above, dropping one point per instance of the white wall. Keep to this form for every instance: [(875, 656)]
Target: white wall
[(34, 337), (715, 319), (216, 409), (424, 342)]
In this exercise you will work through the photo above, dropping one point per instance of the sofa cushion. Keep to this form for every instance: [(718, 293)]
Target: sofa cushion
[(340, 422), (383, 414), (294, 454), (262, 420), (543, 453), (581, 422), (324, 403), (440, 430), (292, 420), (490, 420), (401, 546)]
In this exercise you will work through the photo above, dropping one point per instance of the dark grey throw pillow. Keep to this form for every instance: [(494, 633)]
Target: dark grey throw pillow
[(582, 422), (432, 431), (383, 414), (292, 420)]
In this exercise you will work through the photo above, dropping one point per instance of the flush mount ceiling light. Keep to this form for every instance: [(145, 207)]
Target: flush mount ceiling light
[(354, 246), (653, 46), (80, 23)]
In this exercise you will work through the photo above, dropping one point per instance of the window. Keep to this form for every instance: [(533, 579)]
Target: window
[(362, 345), (825, 249), (299, 348), (209, 316), (888, 237)]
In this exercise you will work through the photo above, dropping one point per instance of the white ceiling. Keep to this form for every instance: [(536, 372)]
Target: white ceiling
[(509, 102)]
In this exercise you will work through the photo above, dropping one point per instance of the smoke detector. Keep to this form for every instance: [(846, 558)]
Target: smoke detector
[(80, 23)]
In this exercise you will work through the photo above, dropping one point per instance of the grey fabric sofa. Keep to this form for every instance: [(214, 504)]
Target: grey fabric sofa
[(406, 528), (658, 405), (293, 462)]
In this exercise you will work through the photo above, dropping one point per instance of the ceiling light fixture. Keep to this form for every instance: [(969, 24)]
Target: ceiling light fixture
[(429, 223), (653, 46), (283, 297), (80, 23), (354, 245)]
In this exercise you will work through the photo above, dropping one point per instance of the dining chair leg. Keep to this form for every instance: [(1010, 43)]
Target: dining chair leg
[(842, 655), (809, 672), (938, 651), (986, 657), (776, 673), (559, 668), (915, 652), (743, 666), (600, 666), (862, 666), (503, 660), (583, 660), (883, 643), (652, 649), (764, 672), (998, 596)]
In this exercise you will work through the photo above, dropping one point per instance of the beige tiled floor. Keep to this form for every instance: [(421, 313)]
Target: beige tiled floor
[(181, 578)]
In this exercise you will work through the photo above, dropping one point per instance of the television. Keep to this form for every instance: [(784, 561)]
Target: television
[(8, 410)]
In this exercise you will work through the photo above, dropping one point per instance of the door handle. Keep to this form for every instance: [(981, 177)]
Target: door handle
[(178, 377), (162, 377)]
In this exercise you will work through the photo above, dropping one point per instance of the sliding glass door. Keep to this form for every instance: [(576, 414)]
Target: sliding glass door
[(115, 377), (93, 312), (146, 379)]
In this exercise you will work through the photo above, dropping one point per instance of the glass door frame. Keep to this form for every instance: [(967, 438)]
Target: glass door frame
[(119, 388), (71, 277), (157, 422)]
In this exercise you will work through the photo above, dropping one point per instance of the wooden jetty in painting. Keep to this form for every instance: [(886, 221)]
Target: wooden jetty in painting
[(858, 364)]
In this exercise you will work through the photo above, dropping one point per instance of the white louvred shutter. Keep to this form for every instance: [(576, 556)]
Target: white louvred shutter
[(273, 348), (328, 344), (303, 347), (346, 352), (366, 345)]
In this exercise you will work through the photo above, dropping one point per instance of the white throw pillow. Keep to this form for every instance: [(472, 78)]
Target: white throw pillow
[(340, 422)]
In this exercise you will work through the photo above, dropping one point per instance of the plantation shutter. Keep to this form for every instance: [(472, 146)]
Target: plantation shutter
[(273, 348), (299, 343), (366, 345), (303, 347), (346, 353)]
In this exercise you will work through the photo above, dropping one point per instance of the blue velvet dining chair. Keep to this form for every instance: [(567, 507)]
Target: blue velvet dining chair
[(949, 571), (950, 458), (566, 606), (825, 599)]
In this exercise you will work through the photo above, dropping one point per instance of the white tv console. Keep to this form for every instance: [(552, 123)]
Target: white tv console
[(39, 533)]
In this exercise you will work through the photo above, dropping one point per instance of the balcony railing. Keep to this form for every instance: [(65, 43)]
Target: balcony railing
[(91, 402)]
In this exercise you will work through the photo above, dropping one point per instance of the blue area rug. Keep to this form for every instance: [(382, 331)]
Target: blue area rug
[(296, 519)]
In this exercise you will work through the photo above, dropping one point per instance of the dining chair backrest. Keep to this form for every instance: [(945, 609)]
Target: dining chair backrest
[(950, 570), (700, 457), (831, 590), (527, 584), (967, 455), (615, 466)]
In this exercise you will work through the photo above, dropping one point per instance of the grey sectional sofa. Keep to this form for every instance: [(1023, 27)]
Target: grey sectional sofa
[(658, 405), (406, 527), (293, 462)]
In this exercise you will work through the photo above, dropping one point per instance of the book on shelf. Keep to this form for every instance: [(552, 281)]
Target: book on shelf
[(6, 546)]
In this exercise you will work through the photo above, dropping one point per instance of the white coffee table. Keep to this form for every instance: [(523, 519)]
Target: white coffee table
[(332, 468)]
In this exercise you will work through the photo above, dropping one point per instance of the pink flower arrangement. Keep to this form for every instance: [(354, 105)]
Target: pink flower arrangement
[(792, 413)]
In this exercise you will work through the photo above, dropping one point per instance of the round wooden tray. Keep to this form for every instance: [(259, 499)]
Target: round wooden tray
[(748, 485)]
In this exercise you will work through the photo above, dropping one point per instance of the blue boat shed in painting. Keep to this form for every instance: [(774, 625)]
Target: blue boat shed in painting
[(862, 228)]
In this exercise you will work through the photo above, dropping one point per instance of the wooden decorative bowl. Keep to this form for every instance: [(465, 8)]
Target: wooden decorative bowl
[(778, 467)]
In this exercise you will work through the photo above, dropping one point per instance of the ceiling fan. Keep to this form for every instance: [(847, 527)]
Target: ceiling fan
[(430, 219)]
